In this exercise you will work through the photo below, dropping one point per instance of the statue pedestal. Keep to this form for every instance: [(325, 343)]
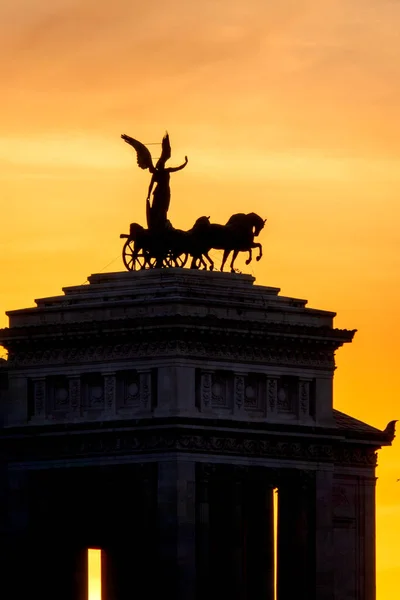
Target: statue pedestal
[(152, 413)]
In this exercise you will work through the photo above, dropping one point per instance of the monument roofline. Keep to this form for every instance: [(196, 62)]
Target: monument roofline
[(171, 285)]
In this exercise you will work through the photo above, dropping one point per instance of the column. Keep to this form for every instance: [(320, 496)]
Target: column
[(367, 517), (324, 570), (203, 546), (60, 570), (238, 547), (15, 551), (128, 538), (79, 564), (177, 522), (295, 539), (259, 541), (227, 564)]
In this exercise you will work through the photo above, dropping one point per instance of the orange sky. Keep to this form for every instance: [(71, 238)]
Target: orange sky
[(288, 109)]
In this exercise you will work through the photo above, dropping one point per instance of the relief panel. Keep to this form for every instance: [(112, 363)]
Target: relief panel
[(255, 394), (287, 396), (134, 391), (93, 392), (57, 396)]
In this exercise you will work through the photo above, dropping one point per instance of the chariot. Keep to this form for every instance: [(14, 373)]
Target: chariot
[(157, 250), (169, 247)]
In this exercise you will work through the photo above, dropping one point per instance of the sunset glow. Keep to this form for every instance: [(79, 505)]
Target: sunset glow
[(289, 109), (94, 574)]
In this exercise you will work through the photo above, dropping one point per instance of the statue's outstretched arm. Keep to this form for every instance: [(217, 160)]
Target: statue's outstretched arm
[(173, 169)]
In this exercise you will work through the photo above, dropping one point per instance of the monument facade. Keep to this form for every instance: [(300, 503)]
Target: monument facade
[(157, 413), (154, 414)]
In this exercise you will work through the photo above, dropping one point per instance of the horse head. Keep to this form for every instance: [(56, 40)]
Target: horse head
[(257, 222), (202, 222)]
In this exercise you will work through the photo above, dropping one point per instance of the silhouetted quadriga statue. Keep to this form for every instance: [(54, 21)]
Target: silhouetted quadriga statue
[(161, 245)]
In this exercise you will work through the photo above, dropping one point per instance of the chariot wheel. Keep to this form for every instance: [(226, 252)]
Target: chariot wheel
[(135, 262), (179, 261)]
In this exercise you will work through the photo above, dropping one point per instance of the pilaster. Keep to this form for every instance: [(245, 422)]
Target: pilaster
[(177, 526), (324, 567)]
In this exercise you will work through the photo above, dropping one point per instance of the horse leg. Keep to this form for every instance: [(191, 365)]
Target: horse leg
[(226, 254), (209, 260), (202, 263), (235, 253), (248, 261), (198, 262), (257, 245)]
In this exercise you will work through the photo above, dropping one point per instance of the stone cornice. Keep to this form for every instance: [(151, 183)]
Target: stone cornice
[(222, 339), (125, 327), (215, 347), (113, 439)]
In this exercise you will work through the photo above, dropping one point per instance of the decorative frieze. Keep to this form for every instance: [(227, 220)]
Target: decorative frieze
[(114, 442), (291, 355), (254, 395)]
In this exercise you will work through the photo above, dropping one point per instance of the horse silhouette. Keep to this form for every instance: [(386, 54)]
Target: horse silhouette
[(169, 245), (237, 235)]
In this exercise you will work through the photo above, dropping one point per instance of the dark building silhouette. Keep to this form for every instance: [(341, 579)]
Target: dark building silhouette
[(153, 414)]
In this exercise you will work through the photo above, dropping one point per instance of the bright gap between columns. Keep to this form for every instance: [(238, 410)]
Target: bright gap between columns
[(94, 574)]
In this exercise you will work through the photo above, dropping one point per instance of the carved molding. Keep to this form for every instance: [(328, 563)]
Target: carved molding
[(126, 442), (75, 394), (272, 392), (39, 396), (237, 349), (239, 391), (205, 390), (110, 391), (145, 389), (304, 397)]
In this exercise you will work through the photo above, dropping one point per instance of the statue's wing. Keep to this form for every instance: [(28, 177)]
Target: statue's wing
[(144, 159), (166, 148)]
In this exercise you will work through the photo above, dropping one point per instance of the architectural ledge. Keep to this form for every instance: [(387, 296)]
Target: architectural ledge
[(352, 428)]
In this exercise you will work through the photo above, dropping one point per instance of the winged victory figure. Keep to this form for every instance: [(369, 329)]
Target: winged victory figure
[(157, 212)]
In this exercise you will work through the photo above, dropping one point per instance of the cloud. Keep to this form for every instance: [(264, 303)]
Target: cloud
[(298, 74)]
